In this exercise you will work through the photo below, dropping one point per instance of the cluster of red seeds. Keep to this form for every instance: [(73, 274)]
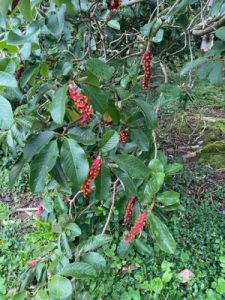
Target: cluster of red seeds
[(123, 136), (137, 227), (40, 209), (115, 4), (129, 210), (82, 104), (93, 173), (147, 59)]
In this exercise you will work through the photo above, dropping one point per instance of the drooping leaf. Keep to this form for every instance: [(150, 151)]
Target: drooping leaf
[(149, 114), (60, 287), (132, 165), (55, 23), (58, 106), (109, 140), (128, 184), (41, 165), (15, 171), (74, 162), (6, 114), (161, 234), (103, 183), (79, 270)]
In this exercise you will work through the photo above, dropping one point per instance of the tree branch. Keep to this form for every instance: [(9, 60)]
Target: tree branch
[(208, 27)]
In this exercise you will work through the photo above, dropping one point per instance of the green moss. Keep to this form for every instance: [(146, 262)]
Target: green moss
[(213, 155)]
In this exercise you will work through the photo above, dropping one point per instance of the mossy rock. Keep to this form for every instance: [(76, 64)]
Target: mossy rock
[(213, 155)]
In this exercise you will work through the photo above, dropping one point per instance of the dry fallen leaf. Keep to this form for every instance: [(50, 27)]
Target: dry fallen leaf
[(186, 275)]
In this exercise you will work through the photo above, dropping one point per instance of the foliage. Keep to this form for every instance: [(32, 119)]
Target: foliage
[(69, 87)]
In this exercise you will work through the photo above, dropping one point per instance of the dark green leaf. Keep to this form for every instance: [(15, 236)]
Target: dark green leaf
[(216, 74), (58, 106), (161, 234), (74, 162), (79, 270), (98, 98), (132, 165), (41, 165), (25, 8), (109, 140), (100, 69), (128, 183), (149, 114), (220, 33), (15, 172), (172, 169), (36, 143), (82, 135), (103, 183), (193, 64)]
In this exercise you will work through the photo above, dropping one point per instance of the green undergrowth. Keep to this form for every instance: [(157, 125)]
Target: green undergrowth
[(146, 272)]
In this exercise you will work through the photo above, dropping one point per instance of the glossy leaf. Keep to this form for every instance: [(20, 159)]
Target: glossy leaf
[(161, 234), (58, 106), (103, 183), (109, 140), (7, 80), (74, 162), (132, 165), (41, 165), (149, 114)]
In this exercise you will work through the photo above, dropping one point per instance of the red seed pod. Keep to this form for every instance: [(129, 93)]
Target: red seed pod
[(40, 209), (147, 59), (93, 173), (82, 104), (123, 135), (137, 227), (115, 4), (129, 210)]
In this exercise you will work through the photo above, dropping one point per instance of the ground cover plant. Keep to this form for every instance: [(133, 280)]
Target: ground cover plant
[(83, 87)]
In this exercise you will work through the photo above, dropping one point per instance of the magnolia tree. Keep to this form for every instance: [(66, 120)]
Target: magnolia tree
[(82, 86)]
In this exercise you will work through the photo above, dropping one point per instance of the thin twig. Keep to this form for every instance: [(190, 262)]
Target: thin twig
[(71, 203), (112, 206)]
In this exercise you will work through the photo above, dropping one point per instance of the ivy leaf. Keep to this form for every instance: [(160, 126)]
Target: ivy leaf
[(74, 162), (79, 270), (6, 114), (161, 234), (132, 165), (109, 140), (149, 114), (41, 165), (58, 105), (100, 69), (60, 287)]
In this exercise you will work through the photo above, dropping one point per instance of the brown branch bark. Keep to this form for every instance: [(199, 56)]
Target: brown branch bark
[(209, 27)]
